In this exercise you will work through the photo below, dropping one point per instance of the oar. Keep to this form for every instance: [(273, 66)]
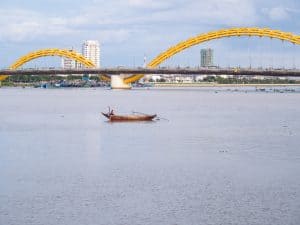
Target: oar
[(157, 117)]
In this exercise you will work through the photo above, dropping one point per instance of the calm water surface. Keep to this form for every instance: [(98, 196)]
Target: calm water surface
[(218, 157)]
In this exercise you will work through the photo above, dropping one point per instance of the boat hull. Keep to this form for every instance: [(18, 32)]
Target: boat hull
[(115, 118)]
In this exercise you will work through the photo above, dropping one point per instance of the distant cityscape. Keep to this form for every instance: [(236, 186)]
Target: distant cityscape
[(91, 50)]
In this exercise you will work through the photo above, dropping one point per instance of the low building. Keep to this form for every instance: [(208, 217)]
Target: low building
[(68, 63)]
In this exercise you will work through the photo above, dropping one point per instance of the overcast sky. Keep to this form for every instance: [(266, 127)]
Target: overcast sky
[(130, 29)]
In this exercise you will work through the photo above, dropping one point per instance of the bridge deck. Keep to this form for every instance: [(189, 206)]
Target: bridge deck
[(185, 71)]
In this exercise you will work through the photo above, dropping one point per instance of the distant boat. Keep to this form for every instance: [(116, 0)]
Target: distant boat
[(133, 117)]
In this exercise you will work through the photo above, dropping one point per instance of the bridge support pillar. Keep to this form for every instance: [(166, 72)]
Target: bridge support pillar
[(117, 82)]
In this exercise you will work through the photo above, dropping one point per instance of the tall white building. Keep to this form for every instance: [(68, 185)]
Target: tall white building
[(91, 50)]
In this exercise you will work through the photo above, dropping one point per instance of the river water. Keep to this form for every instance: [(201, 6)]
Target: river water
[(216, 156)]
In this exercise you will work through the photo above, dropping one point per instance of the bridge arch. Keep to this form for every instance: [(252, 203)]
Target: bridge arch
[(51, 52), (231, 32)]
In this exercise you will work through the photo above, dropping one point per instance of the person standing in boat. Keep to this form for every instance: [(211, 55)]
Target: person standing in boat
[(110, 112)]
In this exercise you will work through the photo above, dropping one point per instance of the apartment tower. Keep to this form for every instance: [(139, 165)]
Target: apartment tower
[(207, 57), (91, 50)]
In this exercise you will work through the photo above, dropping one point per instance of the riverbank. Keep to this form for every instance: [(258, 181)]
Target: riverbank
[(219, 85), (163, 84)]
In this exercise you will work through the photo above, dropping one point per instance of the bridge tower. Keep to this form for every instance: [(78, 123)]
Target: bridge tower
[(117, 82)]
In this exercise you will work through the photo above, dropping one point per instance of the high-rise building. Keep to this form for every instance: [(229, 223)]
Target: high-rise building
[(68, 63), (207, 57), (91, 50)]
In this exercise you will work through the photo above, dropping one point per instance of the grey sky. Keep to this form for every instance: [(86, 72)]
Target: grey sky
[(128, 29)]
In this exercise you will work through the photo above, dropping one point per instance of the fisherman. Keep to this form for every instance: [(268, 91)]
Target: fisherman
[(110, 112)]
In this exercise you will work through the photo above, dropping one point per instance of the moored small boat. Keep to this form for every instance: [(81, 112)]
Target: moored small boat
[(133, 117)]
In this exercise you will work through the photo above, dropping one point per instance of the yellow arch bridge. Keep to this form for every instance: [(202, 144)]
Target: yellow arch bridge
[(232, 32)]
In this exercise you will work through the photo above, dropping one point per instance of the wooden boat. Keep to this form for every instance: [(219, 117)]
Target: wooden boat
[(133, 117)]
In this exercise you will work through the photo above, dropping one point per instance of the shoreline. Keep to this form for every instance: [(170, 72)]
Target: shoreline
[(220, 85), (168, 85)]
